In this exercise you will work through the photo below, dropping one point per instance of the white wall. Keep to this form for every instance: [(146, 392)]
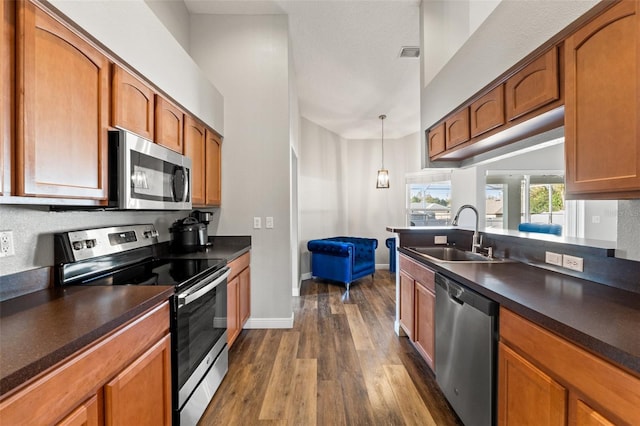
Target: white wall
[(175, 16), (338, 194), (322, 187), (132, 31), (447, 25), (247, 58), (371, 210)]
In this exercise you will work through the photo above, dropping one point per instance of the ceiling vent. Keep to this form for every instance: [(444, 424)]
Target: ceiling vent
[(410, 52)]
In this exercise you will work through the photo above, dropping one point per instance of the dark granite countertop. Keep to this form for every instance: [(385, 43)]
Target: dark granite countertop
[(41, 329), (602, 319), (222, 247)]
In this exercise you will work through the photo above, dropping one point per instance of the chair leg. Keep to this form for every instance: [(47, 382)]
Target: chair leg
[(348, 284)]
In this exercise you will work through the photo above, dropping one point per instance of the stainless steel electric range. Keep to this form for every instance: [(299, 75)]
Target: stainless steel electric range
[(125, 255)]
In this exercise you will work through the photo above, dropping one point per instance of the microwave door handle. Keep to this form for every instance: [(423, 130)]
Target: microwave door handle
[(185, 193), (188, 297)]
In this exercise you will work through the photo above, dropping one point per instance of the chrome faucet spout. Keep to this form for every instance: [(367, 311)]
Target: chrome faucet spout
[(475, 244)]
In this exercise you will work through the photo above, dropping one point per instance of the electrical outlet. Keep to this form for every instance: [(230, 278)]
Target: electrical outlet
[(553, 258), (572, 262), (257, 223), (268, 222), (6, 244), (440, 239)]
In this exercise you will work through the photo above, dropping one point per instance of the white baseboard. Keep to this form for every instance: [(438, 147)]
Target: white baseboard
[(382, 266), (262, 323), (306, 276)]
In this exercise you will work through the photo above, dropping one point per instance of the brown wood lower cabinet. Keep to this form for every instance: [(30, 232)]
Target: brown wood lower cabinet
[(124, 379), (238, 296), (545, 380), (417, 306)]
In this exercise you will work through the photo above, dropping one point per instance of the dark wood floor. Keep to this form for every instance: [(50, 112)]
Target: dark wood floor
[(340, 364)]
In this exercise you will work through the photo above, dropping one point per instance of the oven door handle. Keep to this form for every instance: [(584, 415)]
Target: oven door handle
[(189, 296)]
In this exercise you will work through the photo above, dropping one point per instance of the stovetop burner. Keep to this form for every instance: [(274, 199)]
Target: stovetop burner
[(178, 272)]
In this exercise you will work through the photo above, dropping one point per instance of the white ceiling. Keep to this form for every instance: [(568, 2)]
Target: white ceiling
[(346, 55)]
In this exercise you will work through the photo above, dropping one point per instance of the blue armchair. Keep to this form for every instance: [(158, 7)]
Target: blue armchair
[(343, 259), (543, 228)]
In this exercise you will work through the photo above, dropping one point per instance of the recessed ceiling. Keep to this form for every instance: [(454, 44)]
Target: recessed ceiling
[(346, 55)]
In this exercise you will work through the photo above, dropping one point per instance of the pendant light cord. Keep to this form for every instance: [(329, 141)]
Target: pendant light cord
[(382, 117)]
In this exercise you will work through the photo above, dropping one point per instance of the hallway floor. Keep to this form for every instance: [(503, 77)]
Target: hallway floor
[(340, 364)]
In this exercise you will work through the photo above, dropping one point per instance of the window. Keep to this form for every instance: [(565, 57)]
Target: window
[(519, 197), (429, 199)]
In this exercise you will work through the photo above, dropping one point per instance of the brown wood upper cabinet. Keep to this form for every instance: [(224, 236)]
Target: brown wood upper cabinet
[(213, 151), (533, 86), (132, 103), (194, 148), (487, 112), (63, 113), (436, 140), (602, 124), (7, 94), (457, 128), (169, 124)]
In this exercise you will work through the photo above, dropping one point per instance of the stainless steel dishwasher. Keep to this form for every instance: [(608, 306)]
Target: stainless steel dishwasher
[(466, 344)]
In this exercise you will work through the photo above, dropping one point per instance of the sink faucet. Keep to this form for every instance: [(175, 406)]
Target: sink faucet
[(475, 245)]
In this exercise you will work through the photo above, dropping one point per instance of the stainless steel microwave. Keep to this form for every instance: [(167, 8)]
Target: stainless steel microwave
[(146, 176)]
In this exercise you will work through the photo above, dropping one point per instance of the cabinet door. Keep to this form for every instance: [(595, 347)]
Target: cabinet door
[(587, 416), (487, 113), (233, 314), (85, 415), (436, 140), (457, 128), (213, 172), (63, 112), (141, 394), (169, 124), (425, 323), (194, 148), (527, 396), (133, 104), (407, 290), (533, 86), (602, 124), (7, 92), (245, 296)]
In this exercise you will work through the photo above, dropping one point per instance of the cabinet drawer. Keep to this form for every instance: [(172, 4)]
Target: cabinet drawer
[(610, 389), (487, 113), (533, 86), (238, 264), (457, 128), (418, 272)]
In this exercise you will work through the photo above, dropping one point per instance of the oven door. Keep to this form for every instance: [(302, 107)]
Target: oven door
[(201, 330), (150, 176)]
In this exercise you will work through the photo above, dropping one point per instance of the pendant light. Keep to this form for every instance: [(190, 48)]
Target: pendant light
[(383, 174)]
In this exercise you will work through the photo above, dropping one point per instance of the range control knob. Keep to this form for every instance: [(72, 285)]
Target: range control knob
[(78, 245), (90, 243)]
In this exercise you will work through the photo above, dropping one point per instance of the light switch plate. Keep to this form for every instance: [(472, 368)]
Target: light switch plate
[(553, 258), (257, 223), (268, 222)]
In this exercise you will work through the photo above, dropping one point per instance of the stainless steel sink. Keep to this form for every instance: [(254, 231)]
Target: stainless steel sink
[(451, 254)]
